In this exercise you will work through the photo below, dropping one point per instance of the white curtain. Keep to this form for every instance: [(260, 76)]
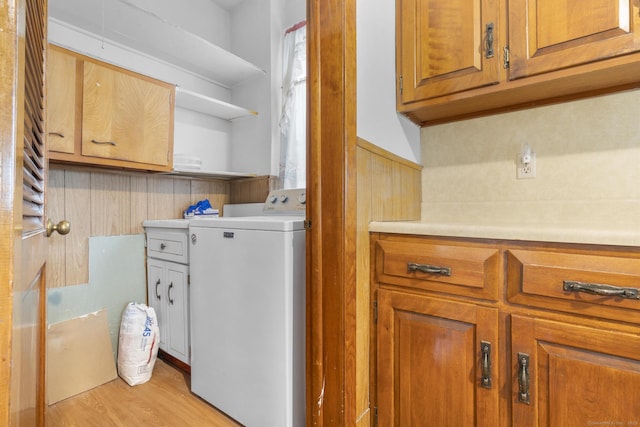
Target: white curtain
[(293, 120)]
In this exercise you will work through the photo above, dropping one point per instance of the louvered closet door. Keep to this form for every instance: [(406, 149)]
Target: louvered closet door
[(28, 331)]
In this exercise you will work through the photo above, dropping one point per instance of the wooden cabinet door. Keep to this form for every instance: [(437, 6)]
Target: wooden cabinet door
[(575, 376), (548, 35), (61, 101), (442, 47), (125, 116), (429, 363)]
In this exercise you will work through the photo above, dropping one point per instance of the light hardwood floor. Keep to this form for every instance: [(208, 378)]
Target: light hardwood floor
[(163, 401)]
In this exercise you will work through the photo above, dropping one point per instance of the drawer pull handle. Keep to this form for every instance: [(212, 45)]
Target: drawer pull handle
[(429, 269), (602, 290), (60, 134), (169, 293), (157, 294), (523, 378), (485, 349), (162, 246), (104, 142), (489, 40)]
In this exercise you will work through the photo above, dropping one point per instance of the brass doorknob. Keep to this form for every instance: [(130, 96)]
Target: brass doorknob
[(63, 227)]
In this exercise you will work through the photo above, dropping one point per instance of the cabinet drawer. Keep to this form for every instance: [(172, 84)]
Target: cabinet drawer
[(599, 284), (455, 269), (168, 246)]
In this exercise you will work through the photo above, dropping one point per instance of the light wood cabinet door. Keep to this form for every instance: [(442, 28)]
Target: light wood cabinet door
[(443, 47), (61, 101), (125, 116), (574, 376), (549, 35), (430, 362)]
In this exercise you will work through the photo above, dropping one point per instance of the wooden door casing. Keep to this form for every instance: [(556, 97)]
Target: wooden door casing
[(331, 208), (429, 361)]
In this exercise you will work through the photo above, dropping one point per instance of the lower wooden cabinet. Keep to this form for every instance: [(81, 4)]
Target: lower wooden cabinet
[(573, 375), (546, 353), (435, 362)]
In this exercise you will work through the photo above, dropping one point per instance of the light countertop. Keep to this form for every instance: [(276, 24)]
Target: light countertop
[(165, 223), (620, 235)]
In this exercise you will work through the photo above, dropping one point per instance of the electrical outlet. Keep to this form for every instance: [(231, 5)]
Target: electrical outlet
[(526, 170)]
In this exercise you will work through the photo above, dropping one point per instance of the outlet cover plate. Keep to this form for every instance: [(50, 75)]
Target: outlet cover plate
[(526, 171)]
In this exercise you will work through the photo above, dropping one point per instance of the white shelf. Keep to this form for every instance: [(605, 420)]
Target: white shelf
[(190, 173), (143, 30), (211, 106)]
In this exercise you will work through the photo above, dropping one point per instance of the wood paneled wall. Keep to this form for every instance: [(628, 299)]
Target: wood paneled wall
[(253, 190), (105, 203), (389, 189)]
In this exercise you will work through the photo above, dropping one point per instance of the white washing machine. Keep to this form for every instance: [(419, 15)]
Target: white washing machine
[(248, 312)]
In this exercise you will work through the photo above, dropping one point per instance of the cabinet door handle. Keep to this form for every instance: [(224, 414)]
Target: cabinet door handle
[(523, 378), (602, 290), (162, 246), (104, 142), (60, 134), (169, 293), (429, 269), (489, 41), (157, 294), (485, 350)]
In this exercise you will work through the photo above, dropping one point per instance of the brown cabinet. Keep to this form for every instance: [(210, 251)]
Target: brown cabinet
[(462, 269), (597, 283), (550, 35), (445, 47), (120, 118), (465, 58), (554, 343), (431, 369), (571, 375)]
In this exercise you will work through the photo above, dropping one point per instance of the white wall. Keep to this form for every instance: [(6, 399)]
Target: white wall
[(253, 30), (256, 140), (251, 39), (294, 11), (378, 121)]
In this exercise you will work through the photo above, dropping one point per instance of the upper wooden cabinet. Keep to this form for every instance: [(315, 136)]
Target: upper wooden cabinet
[(124, 116), (121, 119), (466, 58), (548, 35), (445, 47), (61, 101)]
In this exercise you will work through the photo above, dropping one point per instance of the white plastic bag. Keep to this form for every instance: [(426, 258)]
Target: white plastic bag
[(138, 343)]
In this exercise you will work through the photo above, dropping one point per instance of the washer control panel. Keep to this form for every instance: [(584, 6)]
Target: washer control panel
[(286, 202)]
